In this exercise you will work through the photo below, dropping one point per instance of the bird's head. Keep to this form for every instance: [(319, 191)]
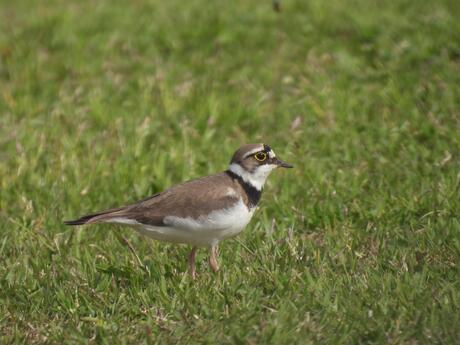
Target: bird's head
[(254, 162)]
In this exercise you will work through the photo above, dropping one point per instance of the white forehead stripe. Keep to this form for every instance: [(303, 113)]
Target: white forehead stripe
[(253, 151), (271, 153)]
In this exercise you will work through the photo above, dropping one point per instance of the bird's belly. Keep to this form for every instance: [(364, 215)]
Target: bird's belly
[(203, 231)]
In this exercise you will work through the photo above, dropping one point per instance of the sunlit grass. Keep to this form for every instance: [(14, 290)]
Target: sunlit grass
[(104, 103)]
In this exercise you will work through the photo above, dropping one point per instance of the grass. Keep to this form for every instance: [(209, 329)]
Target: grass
[(104, 103)]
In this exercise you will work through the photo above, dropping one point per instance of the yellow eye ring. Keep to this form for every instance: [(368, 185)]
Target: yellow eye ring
[(260, 156)]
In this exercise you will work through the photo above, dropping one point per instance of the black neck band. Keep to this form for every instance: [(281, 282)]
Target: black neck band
[(252, 192)]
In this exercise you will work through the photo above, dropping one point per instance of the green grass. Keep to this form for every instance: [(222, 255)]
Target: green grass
[(103, 103)]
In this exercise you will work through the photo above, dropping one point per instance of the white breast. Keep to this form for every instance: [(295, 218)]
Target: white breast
[(206, 230)]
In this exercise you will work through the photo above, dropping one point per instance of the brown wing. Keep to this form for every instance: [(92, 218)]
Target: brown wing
[(189, 199)]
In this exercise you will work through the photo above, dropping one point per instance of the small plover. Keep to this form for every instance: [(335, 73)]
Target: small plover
[(200, 212)]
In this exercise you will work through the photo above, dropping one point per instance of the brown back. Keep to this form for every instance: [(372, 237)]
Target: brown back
[(189, 199)]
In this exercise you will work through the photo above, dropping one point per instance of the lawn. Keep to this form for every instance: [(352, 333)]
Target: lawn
[(104, 103)]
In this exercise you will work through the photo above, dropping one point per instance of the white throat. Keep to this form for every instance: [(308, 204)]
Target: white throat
[(257, 178)]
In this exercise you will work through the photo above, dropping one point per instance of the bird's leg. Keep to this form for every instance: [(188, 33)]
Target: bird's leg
[(213, 259), (191, 262)]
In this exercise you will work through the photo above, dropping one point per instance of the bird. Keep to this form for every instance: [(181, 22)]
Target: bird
[(200, 212)]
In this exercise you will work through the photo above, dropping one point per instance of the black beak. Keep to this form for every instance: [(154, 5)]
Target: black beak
[(282, 164)]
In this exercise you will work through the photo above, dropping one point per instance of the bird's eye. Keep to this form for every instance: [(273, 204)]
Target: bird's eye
[(260, 156)]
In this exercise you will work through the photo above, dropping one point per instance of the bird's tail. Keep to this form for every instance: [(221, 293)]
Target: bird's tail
[(94, 218)]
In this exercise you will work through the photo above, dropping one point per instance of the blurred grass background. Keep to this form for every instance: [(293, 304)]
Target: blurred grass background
[(103, 103)]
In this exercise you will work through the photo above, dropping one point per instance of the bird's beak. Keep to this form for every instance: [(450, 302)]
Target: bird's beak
[(282, 164)]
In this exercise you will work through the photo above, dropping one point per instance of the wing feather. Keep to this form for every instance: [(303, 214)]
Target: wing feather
[(189, 199)]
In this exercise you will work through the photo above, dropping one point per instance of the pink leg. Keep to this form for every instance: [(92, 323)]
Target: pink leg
[(213, 259)]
